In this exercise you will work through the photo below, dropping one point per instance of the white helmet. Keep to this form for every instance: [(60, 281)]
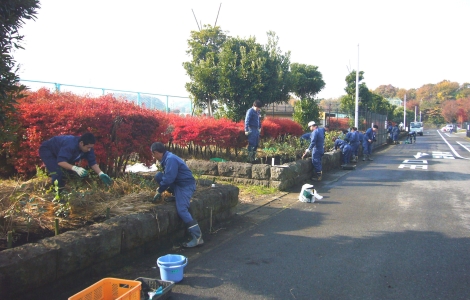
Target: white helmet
[(311, 123)]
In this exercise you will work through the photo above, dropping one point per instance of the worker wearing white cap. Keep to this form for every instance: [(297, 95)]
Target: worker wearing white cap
[(316, 146)]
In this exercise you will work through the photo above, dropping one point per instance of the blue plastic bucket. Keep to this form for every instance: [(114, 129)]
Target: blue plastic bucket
[(173, 273), (171, 260)]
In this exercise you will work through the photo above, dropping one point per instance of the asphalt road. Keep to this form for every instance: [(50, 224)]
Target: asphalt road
[(394, 228)]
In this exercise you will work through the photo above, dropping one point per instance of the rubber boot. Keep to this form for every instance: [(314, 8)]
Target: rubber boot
[(357, 158), (196, 234), (319, 176), (251, 156), (369, 158)]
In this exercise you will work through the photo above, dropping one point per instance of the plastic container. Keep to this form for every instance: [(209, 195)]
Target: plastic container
[(216, 159), (151, 284), (110, 289), (174, 272), (171, 260)]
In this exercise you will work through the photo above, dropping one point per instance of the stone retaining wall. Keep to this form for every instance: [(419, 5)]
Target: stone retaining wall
[(281, 177), (65, 259)]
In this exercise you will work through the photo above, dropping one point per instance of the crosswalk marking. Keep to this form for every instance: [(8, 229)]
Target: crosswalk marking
[(415, 161), (412, 167), (444, 155)]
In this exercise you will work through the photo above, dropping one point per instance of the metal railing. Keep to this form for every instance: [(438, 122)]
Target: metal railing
[(175, 104)]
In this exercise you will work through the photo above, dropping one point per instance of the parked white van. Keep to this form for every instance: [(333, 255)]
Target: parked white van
[(417, 127)]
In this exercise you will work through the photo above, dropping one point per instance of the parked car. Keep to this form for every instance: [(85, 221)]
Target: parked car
[(449, 127)]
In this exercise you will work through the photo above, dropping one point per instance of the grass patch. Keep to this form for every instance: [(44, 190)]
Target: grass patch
[(256, 190)]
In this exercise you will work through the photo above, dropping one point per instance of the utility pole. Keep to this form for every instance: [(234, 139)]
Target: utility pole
[(404, 113), (356, 109)]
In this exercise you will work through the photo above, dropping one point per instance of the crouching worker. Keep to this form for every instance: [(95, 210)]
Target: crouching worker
[(61, 152), (178, 176)]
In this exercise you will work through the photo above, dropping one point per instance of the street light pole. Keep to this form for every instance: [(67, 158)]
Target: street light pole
[(356, 108)]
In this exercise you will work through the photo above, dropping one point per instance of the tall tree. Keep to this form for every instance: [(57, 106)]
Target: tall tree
[(464, 91), (242, 63), (249, 72), (306, 110), (386, 91), (450, 110), (464, 109), (307, 81), (446, 90), (380, 105), (348, 101), (12, 17), (277, 78), (203, 69)]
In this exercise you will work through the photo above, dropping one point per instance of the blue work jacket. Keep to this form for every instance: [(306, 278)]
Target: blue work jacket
[(175, 171), (65, 148), (252, 119), (317, 140)]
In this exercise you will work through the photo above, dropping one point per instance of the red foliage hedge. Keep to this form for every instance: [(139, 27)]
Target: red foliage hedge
[(121, 129), (275, 127), (339, 124)]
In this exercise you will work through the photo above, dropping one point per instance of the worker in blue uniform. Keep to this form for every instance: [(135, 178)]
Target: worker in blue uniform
[(345, 148), (252, 128), (352, 137), (62, 152), (360, 134), (317, 147), (395, 134), (368, 139), (178, 176)]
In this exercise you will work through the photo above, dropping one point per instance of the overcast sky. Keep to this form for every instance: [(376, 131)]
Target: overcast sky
[(140, 45)]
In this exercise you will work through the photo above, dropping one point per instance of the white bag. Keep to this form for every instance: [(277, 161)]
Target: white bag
[(308, 194)]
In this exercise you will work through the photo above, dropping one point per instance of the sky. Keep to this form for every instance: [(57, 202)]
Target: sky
[(140, 45)]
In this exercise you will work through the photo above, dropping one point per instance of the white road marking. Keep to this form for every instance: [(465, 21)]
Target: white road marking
[(419, 155), (463, 146), (414, 161), (451, 148), (413, 167)]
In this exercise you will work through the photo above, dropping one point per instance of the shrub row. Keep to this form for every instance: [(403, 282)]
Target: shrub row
[(123, 129)]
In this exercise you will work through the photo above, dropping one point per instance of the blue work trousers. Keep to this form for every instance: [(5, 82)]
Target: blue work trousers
[(55, 171), (253, 139), (366, 148), (354, 148), (347, 150), (316, 160), (182, 198)]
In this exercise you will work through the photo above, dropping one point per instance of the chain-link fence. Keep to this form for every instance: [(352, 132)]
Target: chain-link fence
[(168, 103), (340, 120)]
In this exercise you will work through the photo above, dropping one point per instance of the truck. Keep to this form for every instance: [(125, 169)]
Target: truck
[(416, 127)]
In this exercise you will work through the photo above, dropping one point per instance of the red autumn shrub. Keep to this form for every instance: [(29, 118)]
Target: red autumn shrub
[(339, 123), (276, 127), (120, 127), (205, 131)]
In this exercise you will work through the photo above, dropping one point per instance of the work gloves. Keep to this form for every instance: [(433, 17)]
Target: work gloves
[(105, 178), (80, 171), (157, 197)]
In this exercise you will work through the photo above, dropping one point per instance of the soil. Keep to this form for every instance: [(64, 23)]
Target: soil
[(30, 213)]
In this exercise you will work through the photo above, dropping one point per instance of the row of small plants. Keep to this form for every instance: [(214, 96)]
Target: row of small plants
[(290, 148)]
